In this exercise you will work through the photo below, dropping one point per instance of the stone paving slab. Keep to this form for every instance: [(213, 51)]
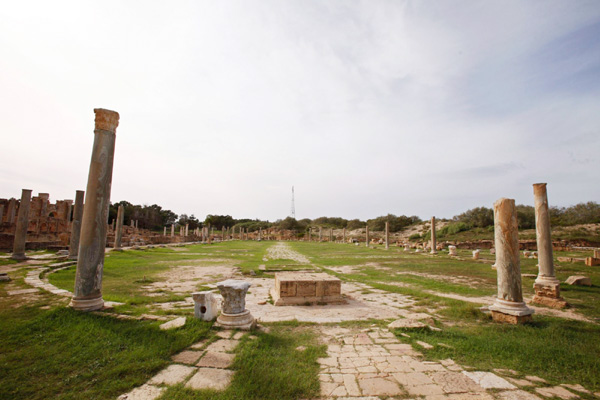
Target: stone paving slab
[(517, 395), (175, 323), (210, 378), (144, 392), (22, 291), (187, 357), (216, 360), (556, 391), (172, 375), (487, 380), (222, 346)]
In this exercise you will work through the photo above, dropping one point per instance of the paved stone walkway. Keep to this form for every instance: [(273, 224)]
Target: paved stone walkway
[(373, 364), (202, 366)]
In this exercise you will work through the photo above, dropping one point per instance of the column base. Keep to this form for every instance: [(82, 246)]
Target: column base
[(510, 319), (87, 304), (19, 257), (243, 321), (552, 302), (433, 252), (510, 311)]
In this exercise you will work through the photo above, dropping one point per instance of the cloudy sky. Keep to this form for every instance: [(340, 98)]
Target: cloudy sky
[(366, 107)]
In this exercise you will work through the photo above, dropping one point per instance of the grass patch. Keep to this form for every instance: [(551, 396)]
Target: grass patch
[(65, 354), (269, 367), (560, 351)]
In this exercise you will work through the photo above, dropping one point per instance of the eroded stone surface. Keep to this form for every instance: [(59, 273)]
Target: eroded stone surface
[(144, 392), (172, 374), (210, 378), (187, 357), (216, 360), (488, 380), (557, 391)]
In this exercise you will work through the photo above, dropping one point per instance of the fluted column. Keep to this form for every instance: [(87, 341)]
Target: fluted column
[(76, 225), (90, 263), (509, 306), (22, 224), (546, 286)]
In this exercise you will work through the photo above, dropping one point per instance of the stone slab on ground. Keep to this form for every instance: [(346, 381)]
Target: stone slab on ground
[(556, 391), (187, 357), (379, 387), (579, 280), (406, 323), (487, 380), (144, 392), (517, 395), (216, 360), (172, 375), (175, 323), (210, 378), (222, 346), (21, 291), (295, 288)]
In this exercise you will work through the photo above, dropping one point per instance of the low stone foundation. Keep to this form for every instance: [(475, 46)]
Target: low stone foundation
[(510, 319), (299, 288)]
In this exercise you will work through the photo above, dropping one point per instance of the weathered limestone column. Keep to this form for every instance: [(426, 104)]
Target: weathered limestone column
[(187, 229), (367, 236), (76, 225), (10, 213), (136, 224), (90, 263), (208, 238), (509, 306), (119, 227), (259, 234), (546, 286), (132, 223), (22, 224), (433, 241), (164, 231), (233, 313), (172, 230), (475, 254), (344, 235), (112, 225), (387, 235)]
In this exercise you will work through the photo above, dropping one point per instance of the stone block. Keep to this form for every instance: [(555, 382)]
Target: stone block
[(172, 375), (216, 360), (592, 261), (206, 305), (210, 378), (579, 280), (175, 323), (298, 288), (510, 319)]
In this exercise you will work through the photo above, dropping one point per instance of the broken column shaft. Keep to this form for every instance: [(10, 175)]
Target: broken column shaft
[(22, 224), (90, 263), (76, 225), (509, 306)]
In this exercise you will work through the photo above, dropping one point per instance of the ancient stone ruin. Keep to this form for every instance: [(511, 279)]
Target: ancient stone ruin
[(301, 288)]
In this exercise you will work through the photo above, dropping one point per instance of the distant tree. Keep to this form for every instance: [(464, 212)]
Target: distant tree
[(479, 217), (525, 216), (355, 224), (396, 224), (219, 221)]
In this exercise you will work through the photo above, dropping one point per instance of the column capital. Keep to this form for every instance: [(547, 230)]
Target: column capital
[(106, 120)]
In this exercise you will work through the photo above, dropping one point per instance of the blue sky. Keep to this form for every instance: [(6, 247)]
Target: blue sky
[(366, 107)]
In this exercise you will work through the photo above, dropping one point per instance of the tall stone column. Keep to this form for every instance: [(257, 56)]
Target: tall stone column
[(22, 224), (136, 224), (164, 231), (187, 229), (546, 286), (172, 230), (320, 234), (367, 236), (208, 238), (259, 233), (387, 235), (344, 235), (1, 213), (119, 227), (330, 234), (433, 240), (10, 213), (509, 306), (90, 263), (76, 225)]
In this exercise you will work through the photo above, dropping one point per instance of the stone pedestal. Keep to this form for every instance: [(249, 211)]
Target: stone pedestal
[(300, 288), (233, 311), (119, 227), (76, 225), (22, 224), (509, 305), (452, 251), (546, 286), (206, 305), (433, 240), (475, 254), (90, 263)]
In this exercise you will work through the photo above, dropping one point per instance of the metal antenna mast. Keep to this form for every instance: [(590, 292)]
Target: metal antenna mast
[(293, 211)]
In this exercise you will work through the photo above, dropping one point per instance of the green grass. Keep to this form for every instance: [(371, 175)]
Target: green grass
[(268, 367), (560, 351), (65, 354)]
